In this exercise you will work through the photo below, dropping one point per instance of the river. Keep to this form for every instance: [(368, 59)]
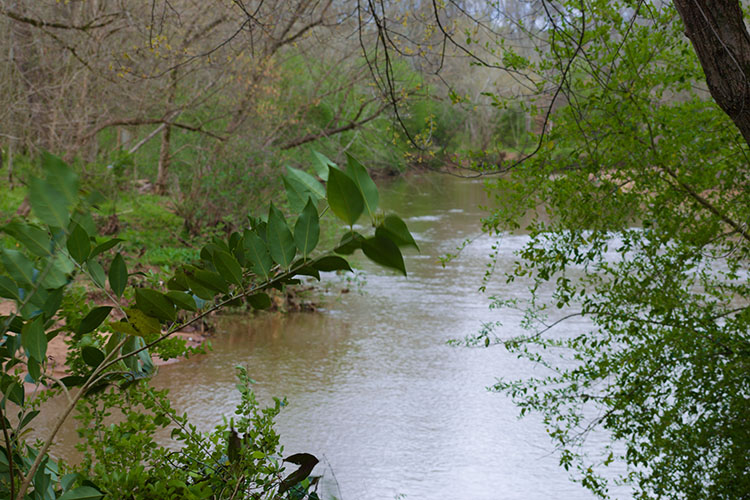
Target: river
[(373, 388)]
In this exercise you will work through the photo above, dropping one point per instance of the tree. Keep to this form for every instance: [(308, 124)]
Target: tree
[(644, 181), (638, 186)]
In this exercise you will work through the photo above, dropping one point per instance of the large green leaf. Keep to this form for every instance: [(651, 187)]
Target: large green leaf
[(18, 266), (350, 241), (307, 229), (344, 197), (48, 203), (8, 288), (103, 247), (206, 281), (79, 245), (385, 252), (182, 300), (395, 229), (301, 186), (118, 275), (34, 340), (92, 356), (259, 301), (280, 240), (367, 187), (82, 493), (228, 267), (93, 319), (331, 263), (59, 174), (97, 272), (35, 239), (155, 304), (256, 252), (321, 163)]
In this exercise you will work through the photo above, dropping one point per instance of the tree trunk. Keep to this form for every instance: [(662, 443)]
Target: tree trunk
[(163, 169), (719, 36)]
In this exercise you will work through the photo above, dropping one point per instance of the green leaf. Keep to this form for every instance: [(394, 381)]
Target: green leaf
[(48, 203), (331, 263), (228, 267), (15, 393), (298, 194), (207, 282), (280, 240), (307, 229), (182, 300), (344, 197), (59, 174), (82, 493), (350, 241), (155, 304), (8, 288), (367, 187), (321, 163), (306, 183), (178, 282), (53, 302), (257, 252), (118, 275), (36, 240), (395, 229), (93, 319), (79, 245), (92, 356), (18, 266), (103, 247), (97, 272), (259, 301), (383, 251), (34, 368), (34, 340)]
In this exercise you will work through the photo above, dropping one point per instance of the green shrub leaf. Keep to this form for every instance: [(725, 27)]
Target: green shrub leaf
[(18, 266), (395, 229), (36, 240), (79, 245), (358, 173), (280, 240), (307, 229), (228, 267), (97, 272), (321, 163), (93, 319), (331, 263), (34, 340), (48, 203), (259, 301), (118, 275), (182, 300), (256, 252), (92, 356), (155, 304), (385, 252), (344, 197)]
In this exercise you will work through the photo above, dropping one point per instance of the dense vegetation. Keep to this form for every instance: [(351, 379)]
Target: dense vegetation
[(622, 127)]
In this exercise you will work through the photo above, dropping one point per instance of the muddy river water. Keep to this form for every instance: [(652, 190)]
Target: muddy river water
[(373, 388)]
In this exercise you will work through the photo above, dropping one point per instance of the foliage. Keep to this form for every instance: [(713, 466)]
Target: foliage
[(112, 344), (641, 196)]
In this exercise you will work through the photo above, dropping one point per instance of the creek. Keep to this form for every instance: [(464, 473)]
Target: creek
[(373, 388)]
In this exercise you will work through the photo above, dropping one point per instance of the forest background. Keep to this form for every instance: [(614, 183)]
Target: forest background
[(624, 122)]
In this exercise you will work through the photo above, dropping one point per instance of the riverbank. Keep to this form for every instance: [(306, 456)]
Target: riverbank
[(57, 349)]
